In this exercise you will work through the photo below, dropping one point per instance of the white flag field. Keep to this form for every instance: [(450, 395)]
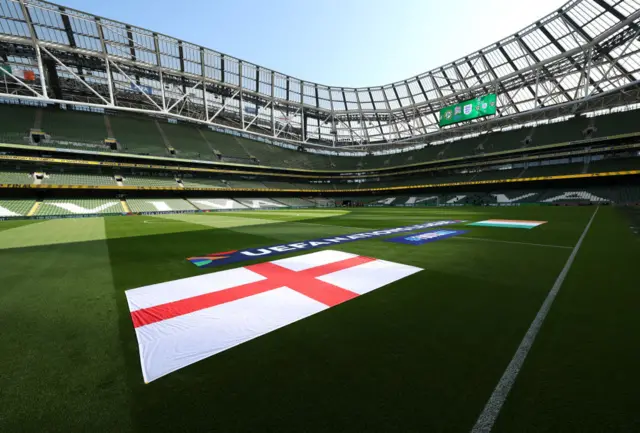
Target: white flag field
[(180, 322)]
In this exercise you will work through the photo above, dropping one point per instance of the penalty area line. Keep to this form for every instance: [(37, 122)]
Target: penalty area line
[(492, 409)]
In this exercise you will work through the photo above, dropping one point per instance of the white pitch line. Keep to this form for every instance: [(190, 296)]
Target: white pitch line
[(161, 222), (491, 410), (511, 242)]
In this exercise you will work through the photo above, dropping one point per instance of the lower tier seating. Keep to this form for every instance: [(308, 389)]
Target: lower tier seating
[(79, 207), (15, 208), (159, 205)]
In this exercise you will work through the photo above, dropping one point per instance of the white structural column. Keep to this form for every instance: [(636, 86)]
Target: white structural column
[(204, 84), (106, 61), (36, 45), (240, 74), (160, 76)]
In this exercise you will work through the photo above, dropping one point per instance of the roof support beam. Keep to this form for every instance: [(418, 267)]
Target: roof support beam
[(571, 23), (488, 67), (515, 68), (556, 44), (433, 112), (536, 59), (404, 113), (376, 115)]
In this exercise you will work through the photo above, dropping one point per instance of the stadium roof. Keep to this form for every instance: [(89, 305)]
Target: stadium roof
[(583, 56)]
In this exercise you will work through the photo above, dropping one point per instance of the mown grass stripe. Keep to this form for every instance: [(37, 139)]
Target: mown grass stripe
[(491, 410)]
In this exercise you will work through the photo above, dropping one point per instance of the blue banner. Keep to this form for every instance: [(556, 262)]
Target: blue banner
[(426, 237), (233, 256)]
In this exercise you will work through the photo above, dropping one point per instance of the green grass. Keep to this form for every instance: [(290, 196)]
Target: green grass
[(420, 355)]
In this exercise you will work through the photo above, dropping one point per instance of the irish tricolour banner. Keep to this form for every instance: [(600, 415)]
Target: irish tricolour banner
[(518, 224), (184, 321)]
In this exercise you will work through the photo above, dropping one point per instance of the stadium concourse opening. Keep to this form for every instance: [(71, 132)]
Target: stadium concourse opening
[(192, 242)]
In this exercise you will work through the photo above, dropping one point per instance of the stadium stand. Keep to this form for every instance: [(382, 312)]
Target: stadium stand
[(58, 207), (259, 203), (15, 208), (245, 184), (22, 121), (15, 177), (138, 135), (227, 145), (323, 186), (617, 123), (553, 170), (159, 205), (77, 179), (203, 183), (294, 202), (188, 141), (498, 174), (74, 125), (552, 196), (322, 202), (281, 185), (614, 164), (216, 203), (150, 181), (577, 195), (156, 137)]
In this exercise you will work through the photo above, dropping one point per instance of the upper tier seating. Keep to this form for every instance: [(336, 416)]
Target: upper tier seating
[(157, 137), (614, 164), (188, 141), (203, 183), (74, 125), (138, 135), (22, 121), (150, 181), (77, 179), (553, 170), (245, 184), (15, 177)]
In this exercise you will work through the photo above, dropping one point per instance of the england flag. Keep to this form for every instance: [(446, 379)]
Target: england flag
[(184, 321)]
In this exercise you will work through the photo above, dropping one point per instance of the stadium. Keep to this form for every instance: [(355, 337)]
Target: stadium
[(184, 234)]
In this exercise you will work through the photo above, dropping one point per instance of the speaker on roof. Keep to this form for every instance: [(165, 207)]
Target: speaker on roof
[(589, 131)]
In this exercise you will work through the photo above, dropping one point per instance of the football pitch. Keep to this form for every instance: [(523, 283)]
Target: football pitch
[(425, 353)]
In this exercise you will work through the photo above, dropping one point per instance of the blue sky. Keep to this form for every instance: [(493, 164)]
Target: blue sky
[(349, 43)]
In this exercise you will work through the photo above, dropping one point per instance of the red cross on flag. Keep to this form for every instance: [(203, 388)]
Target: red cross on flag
[(184, 321)]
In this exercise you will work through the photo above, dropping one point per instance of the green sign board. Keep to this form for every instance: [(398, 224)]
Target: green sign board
[(467, 110)]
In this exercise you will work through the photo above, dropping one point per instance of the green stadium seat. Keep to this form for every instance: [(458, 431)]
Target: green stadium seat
[(188, 141), (294, 202), (138, 135), (22, 121), (150, 181), (203, 183), (15, 177), (14, 208), (245, 184), (159, 205), (74, 125), (77, 179), (57, 207)]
